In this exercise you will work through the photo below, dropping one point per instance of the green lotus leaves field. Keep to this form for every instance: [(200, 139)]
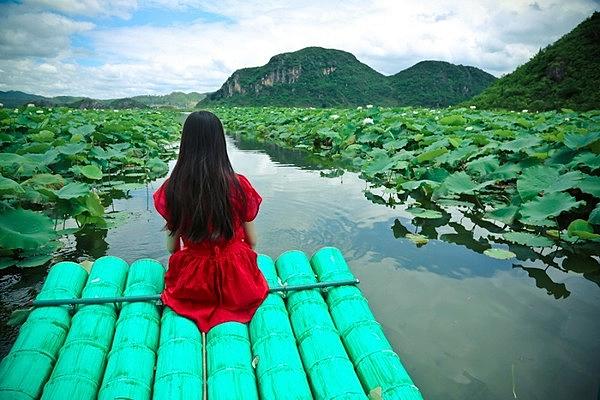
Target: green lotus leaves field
[(534, 177), (62, 166), (531, 179)]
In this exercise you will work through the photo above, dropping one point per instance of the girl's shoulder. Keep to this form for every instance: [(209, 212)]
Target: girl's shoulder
[(252, 198), (160, 200)]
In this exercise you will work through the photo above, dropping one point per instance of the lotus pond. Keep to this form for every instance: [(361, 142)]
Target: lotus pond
[(474, 233)]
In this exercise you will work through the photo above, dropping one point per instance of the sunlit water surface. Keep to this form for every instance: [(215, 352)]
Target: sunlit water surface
[(466, 326)]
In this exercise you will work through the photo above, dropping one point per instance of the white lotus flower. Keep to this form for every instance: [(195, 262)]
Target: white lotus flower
[(369, 105), (39, 112), (334, 117), (567, 119), (311, 108), (368, 121), (415, 112), (359, 108), (305, 119), (30, 105), (16, 111), (1, 105), (469, 128), (524, 111), (115, 110), (472, 107)]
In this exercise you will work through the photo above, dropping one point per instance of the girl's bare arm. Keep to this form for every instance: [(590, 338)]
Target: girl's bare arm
[(172, 242), (250, 234)]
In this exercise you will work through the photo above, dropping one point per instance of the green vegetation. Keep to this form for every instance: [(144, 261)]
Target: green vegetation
[(63, 167), (438, 84), (332, 78), (177, 100), (563, 75), (528, 179)]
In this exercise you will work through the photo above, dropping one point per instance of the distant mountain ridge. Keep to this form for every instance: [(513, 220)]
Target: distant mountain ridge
[(315, 76), (182, 100), (439, 83), (565, 74)]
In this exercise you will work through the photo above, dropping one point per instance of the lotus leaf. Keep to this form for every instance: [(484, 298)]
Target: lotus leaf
[(84, 130), (460, 182), (484, 165), (499, 254), (453, 120), (6, 262), (520, 144), (423, 213), (34, 148), (24, 229), (594, 217), (380, 163), (551, 205), (528, 239), (436, 174), (454, 156), (157, 166), (93, 204), (590, 184), (45, 180), (71, 149), (576, 141), (543, 179), (582, 229), (412, 185), (34, 261), (48, 158), (72, 190), (42, 136), (91, 172), (505, 214), (8, 187), (417, 239), (431, 155), (588, 159)]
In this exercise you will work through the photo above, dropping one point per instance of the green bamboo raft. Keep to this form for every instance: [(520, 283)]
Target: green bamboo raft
[(315, 343)]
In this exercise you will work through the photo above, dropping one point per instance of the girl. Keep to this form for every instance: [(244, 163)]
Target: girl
[(213, 277)]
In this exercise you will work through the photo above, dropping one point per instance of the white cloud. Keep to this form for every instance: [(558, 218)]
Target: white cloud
[(37, 34), (89, 8), (387, 35)]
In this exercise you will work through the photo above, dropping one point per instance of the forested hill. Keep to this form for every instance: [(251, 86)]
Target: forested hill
[(13, 98), (320, 77), (439, 83), (565, 74), (313, 76)]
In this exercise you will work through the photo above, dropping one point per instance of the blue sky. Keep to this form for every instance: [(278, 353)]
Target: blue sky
[(113, 48)]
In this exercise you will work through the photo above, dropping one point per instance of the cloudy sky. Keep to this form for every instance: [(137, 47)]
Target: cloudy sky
[(115, 48)]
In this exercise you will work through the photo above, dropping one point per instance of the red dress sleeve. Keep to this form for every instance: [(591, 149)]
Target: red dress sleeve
[(253, 199), (160, 201)]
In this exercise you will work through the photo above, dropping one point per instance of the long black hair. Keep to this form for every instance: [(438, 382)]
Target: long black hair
[(198, 192)]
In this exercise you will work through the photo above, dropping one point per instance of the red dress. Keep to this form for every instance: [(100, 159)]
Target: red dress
[(212, 282)]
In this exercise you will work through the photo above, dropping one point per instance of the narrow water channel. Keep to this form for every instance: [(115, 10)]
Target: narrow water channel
[(466, 326)]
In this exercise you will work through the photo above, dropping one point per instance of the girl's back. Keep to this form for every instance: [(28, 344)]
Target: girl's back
[(213, 276)]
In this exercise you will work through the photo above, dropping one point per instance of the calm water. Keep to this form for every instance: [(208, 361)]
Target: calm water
[(466, 326)]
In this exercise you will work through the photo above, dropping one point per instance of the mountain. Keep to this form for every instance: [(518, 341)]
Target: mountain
[(563, 75), (313, 76), (174, 100), (15, 98), (320, 77), (439, 83)]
